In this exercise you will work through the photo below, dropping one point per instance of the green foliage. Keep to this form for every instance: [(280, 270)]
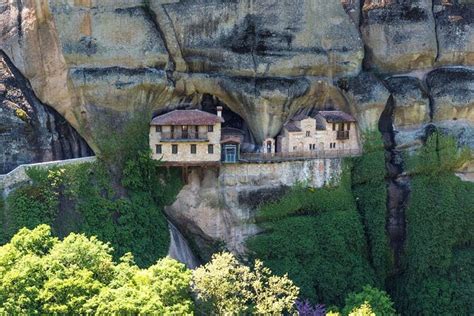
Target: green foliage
[(322, 249), (161, 289), (301, 200), (363, 310), (120, 198), (439, 155), (369, 189), (438, 263), (41, 275), (29, 206), (380, 302), (81, 198), (232, 288)]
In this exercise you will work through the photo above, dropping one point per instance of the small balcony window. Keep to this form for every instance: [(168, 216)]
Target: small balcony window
[(174, 149), (193, 149), (210, 128), (210, 149), (158, 149), (308, 134)]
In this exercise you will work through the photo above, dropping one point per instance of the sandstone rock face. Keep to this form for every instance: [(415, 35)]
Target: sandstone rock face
[(266, 38), (368, 96), (119, 55), (217, 208), (453, 94), (411, 110), (29, 130), (455, 32), (406, 65), (400, 35)]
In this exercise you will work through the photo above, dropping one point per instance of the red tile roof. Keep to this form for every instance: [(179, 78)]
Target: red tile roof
[(187, 117), (336, 116)]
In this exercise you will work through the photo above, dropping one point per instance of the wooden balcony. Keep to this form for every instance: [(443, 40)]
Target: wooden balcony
[(184, 137), (342, 135)]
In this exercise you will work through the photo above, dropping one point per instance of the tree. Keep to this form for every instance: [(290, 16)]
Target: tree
[(363, 310), (379, 301), (230, 287), (41, 275)]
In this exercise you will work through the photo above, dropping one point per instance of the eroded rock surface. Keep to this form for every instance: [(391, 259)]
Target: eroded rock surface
[(217, 209), (29, 130), (96, 62)]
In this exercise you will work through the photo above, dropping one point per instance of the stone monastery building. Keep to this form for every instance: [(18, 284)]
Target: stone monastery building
[(328, 130), (194, 137)]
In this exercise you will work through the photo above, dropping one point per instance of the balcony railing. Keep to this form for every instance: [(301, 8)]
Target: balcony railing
[(184, 136), (342, 135), (298, 155)]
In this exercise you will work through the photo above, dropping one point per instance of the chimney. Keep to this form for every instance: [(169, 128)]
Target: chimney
[(219, 111)]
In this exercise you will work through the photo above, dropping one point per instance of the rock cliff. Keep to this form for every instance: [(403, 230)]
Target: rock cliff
[(31, 131), (407, 65)]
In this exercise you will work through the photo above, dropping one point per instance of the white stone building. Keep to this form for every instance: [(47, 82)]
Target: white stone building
[(327, 131), (187, 137)]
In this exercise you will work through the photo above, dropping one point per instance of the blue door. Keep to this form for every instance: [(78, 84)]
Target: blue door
[(230, 153)]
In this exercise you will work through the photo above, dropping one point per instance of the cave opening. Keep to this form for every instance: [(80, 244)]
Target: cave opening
[(234, 121)]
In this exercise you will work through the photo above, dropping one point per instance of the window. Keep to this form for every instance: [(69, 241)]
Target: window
[(332, 145), (158, 149), (333, 126), (174, 149), (210, 149), (348, 126), (193, 149), (158, 128), (308, 133), (210, 128)]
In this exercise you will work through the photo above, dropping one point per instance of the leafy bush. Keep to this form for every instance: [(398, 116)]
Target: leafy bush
[(232, 288), (380, 302), (322, 249), (301, 200), (41, 275), (118, 200), (438, 262), (369, 189)]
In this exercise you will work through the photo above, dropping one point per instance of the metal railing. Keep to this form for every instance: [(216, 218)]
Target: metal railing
[(184, 136), (299, 155), (342, 135)]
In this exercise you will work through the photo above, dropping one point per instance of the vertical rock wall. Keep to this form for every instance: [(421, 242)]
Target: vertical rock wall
[(29, 130), (217, 208)]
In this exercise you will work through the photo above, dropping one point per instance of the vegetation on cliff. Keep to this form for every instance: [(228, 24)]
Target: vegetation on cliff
[(317, 237), (438, 262), (120, 198), (333, 240)]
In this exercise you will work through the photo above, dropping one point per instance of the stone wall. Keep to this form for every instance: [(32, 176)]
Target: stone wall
[(18, 175)]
